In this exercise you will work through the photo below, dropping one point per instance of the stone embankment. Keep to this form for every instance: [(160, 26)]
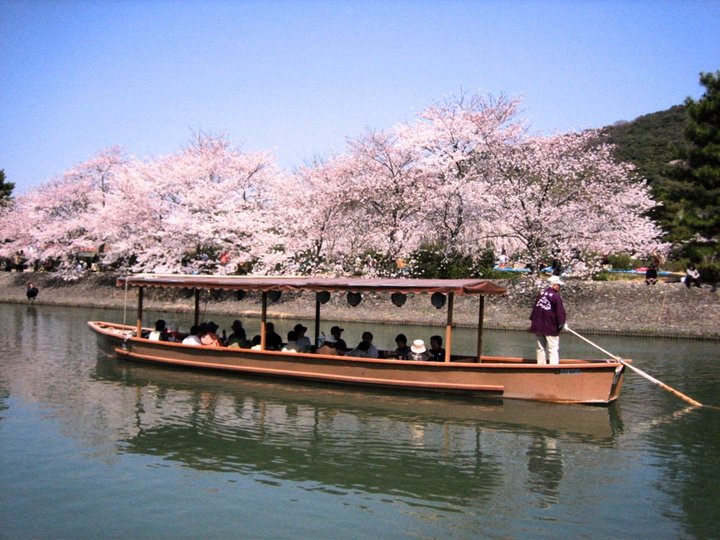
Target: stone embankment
[(614, 307)]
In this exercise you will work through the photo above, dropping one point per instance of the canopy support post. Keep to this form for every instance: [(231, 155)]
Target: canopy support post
[(263, 320), (138, 328), (448, 328), (197, 306), (481, 320), (317, 320)]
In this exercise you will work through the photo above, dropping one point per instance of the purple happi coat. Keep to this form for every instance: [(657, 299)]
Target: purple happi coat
[(548, 314)]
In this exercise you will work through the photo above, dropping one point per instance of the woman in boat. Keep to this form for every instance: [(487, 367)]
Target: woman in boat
[(336, 333), (210, 337), (292, 344), (238, 338), (372, 351), (273, 341), (402, 352), (160, 333), (303, 342), (418, 351), (362, 350), (194, 337), (329, 345), (437, 353)]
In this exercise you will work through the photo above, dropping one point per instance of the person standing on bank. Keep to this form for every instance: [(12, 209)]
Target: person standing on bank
[(546, 321)]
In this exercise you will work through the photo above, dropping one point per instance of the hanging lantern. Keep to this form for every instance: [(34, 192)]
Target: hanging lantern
[(354, 298), (323, 297), (398, 298), (438, 300), (274, 296), (239, 295)]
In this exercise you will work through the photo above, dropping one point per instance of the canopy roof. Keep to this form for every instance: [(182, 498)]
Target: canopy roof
[(253, 283)]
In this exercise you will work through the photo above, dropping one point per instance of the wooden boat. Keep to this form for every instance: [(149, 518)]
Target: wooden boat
[(572, 381)]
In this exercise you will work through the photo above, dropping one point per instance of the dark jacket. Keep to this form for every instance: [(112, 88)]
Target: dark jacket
[(548, 314)]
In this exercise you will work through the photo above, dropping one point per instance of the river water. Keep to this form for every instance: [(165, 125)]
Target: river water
[(92, 447)]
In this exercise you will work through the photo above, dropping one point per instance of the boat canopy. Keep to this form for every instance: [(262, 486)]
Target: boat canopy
[(258, 283)]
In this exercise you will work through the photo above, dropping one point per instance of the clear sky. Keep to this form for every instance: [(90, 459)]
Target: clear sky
[(298, 77)]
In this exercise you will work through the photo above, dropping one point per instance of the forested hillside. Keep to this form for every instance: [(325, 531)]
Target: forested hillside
[(678, 152), (650, 141)]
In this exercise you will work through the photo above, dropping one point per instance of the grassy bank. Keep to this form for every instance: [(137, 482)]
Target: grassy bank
[(614, 307)]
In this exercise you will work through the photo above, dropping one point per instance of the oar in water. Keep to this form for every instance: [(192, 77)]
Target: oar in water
[(639, 371)]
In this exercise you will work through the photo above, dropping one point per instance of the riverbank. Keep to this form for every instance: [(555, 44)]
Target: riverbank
[(612, 307)]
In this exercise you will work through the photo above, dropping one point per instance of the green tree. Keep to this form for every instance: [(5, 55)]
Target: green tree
[(652, 142), (698, 176), (6, 189)]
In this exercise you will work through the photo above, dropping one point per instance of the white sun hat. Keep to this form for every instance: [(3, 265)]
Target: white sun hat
[(418, 346)]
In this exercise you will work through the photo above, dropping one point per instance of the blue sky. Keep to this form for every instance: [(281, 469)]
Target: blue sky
[(298, 77)]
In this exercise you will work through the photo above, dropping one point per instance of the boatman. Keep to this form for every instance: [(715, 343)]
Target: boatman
[(546, 321)]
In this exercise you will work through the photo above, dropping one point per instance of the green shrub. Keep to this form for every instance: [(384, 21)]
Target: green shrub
[(621, 261), (433, 262), (709, 272)]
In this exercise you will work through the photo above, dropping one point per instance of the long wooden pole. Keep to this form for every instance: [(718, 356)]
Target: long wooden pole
[(640, 372)]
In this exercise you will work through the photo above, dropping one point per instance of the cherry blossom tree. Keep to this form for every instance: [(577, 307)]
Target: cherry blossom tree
[(456, 139), (208, 207), (367, 200), (388, 190), (55, 221), (463, 175), (319, 214), (567, 193)]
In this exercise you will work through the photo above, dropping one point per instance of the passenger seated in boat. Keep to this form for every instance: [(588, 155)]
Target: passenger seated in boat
[(402, 352), (336, 332), (160, 333), (367, 337), (210, 338), (194, 337), (418, 351), (303, 342), (292, 344), (362, 350), (273, 341), (255, 345), (238, 338), (173, 334), (437, 353), (328, 345)]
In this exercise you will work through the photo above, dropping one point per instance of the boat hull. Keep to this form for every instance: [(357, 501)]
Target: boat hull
[(573, 381)]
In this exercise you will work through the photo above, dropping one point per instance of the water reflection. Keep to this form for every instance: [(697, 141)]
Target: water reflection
[(510, 467), (432, 448)]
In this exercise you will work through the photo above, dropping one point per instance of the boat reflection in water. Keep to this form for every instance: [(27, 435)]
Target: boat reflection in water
[(435, 447)]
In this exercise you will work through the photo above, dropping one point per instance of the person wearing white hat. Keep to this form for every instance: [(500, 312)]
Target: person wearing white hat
[(546, 321), (418, 350)]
